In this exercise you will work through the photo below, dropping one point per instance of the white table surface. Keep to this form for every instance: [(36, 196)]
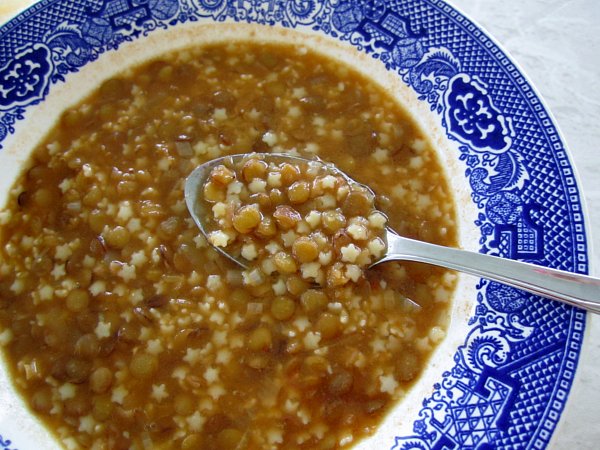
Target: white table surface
[(557, 44)]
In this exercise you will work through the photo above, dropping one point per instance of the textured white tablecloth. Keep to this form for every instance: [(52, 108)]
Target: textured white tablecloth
[(557, 43)]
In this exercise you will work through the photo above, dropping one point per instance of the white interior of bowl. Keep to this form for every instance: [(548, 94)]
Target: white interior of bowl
[(40, 119)]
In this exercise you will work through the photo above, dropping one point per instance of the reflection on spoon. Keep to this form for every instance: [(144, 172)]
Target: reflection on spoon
[(578, 290)]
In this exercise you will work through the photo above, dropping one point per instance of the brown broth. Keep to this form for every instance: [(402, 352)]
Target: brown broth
[(123, 328)]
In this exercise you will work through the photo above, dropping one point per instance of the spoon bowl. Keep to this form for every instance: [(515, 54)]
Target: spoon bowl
[(575, 289), (197, 178)]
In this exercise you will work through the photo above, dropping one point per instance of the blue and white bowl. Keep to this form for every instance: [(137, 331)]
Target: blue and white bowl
[(502, 376)]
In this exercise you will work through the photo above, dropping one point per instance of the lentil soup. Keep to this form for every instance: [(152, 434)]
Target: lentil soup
[(124, 328)]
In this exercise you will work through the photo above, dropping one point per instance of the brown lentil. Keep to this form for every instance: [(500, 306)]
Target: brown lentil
[(283, 308)]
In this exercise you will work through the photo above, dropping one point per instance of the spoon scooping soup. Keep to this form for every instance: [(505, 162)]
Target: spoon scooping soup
[(289, 215), (279, 214)]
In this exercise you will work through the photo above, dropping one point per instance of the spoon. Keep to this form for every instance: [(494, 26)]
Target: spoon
[(574, 289)]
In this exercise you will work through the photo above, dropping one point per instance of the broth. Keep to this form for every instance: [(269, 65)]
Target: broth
[(124, 329)]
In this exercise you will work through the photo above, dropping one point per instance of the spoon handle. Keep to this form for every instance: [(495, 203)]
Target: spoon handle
[(578, 290)]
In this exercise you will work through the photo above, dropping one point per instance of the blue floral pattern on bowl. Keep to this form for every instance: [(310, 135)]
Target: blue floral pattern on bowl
[(472, 119), (512, 374), (25, 78)]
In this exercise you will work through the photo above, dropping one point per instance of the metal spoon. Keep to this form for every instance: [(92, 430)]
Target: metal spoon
[(578, 290)]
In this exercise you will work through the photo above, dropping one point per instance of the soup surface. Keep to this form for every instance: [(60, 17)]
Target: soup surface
[(124, 328)]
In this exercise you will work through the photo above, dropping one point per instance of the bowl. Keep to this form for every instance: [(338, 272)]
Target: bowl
[(504, 370)]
